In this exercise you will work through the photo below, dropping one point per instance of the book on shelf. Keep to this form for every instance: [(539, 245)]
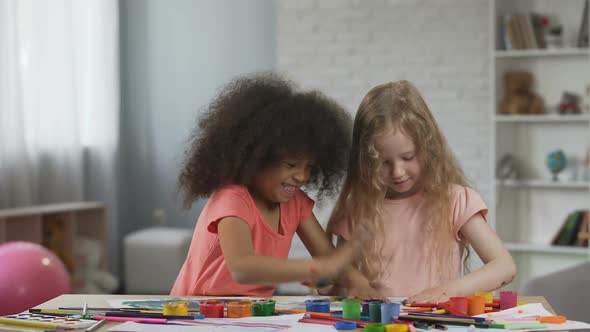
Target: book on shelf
[(575, 224), (583, 33), (584, 233), (521, 31)]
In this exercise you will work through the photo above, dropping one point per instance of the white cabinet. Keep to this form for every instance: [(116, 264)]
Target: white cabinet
[(531, 209)]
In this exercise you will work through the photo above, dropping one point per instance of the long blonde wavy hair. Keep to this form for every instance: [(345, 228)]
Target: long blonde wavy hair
[(387, 108)]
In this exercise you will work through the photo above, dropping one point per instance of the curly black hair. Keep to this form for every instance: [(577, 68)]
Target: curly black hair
[(253, 123)]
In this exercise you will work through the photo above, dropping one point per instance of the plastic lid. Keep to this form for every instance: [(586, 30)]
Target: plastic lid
[(345, 326), (375, 328)]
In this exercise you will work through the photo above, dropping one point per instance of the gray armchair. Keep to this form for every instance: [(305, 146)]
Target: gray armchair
[(567, 291)]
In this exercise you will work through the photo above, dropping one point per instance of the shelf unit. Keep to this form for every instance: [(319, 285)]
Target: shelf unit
[(546, 249), (530, 210), (572, 51), (56, 226), (543, 184), (545, 118)]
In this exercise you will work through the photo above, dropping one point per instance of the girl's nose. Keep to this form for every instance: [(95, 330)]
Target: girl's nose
[(301, 175), (398, 172)]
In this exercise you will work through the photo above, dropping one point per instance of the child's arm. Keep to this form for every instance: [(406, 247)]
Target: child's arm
[(498, 271), (314, 238), (357, 285), (248, 268)]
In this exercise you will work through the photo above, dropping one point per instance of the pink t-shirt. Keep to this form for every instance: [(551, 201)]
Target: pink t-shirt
[(205, 271), (406, 260)]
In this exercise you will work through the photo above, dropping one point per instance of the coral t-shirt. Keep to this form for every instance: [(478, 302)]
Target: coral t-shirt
[(205, 271), (406, 259)]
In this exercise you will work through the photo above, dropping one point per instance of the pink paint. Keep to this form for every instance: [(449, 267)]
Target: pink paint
[(508, 299)]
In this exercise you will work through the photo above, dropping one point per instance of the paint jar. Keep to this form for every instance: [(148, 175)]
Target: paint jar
[(475, 305), (375, 311), (351, 309), (365, 308), (488, 296), (508, 299), (389, 312), (397, 328), (459, 305), (177, 308), (345, 326), (239, 309), (211, 309), (263, 308), (374, 328), (317, 305)]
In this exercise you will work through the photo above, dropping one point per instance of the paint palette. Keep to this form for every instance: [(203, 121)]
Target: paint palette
[(40, 320)]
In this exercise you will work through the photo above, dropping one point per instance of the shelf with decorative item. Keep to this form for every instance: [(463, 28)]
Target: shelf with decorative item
[(546, 249), (544, 52), (581, 118), (544, 184)]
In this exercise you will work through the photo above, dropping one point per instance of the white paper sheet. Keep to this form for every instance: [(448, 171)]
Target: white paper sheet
[(250, 324), (531, 310)]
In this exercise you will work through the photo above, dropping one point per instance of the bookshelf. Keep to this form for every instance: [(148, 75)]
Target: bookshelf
[(530, 209), (56, 226), (543, 249), (540, 184), (580, 119), (563, 52)]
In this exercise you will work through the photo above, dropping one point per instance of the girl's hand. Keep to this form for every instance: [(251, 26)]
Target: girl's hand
[(332, 264), (323, 287), (432, 295), (362, 289), (327, 290)]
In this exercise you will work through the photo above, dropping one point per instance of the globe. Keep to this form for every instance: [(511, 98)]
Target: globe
[(556, 162)]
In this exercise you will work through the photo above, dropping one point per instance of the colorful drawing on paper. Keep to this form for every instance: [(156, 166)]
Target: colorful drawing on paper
[(158, 304)]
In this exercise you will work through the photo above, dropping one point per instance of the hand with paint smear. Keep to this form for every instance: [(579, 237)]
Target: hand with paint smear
[(362, 289), (323, 286), (431, 295)]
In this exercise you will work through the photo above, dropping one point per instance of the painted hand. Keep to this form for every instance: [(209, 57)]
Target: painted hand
[(362, 289), (431, 295)]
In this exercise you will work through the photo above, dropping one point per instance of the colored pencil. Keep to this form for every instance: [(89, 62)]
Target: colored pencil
[(58, 311), (419, 309), (439, 327), (51, 313), (96, 326), (291, 311), (428, 314), (144, 315), (440, 311), (445, 319), (525, 326), (98, 308), (29, 323), (132, 319), (359, 323), (458, 323), (422, 305), (317, 321)]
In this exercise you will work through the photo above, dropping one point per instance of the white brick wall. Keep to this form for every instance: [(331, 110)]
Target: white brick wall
[(345, 47)]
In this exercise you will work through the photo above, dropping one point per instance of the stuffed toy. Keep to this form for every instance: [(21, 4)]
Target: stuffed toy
[(570, 103), (89, 277), (586, 100), (518, 95), (54, 239)]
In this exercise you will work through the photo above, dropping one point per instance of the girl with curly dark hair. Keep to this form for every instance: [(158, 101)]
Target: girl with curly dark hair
[(258, 144)]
